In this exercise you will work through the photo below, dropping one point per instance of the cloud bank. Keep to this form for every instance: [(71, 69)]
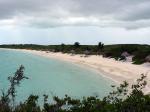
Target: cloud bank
[(129, 14)]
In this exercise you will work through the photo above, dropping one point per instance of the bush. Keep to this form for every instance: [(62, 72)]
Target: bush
[(119, 100)]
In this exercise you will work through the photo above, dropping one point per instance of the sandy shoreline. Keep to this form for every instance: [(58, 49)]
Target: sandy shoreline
[(115, 70)]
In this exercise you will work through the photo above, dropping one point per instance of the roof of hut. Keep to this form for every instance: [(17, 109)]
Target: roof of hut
[(147, 58), (87, 52), (72, 51), (125, 54)]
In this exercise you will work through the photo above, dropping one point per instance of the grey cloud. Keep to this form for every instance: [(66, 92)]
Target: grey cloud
[(137, 12), (55, 13)]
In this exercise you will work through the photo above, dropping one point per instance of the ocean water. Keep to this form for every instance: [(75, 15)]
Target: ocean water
[(50, 76)]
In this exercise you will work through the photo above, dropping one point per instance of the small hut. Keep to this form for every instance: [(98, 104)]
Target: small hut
[(72, 52), (147, 58), (125, 54), (53, 50), (87, 52)]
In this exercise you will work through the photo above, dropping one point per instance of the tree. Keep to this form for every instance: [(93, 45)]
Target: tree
[(100, 46), (14, 82), (76, 44), (121, 99), (62, 46), (30, 105)]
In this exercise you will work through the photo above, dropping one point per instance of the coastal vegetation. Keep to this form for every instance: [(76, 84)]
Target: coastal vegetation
[(121, 99), (139, 53)]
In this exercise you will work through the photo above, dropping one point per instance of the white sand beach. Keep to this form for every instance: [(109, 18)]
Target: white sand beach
[(117, 71)]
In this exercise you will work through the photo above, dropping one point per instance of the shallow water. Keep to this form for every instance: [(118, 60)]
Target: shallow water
[(50, 76)]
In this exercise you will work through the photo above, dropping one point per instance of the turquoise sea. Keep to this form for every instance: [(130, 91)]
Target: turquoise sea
[(50, 76)]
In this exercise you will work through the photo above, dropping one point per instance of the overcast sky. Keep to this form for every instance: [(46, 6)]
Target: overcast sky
[(67, 21)]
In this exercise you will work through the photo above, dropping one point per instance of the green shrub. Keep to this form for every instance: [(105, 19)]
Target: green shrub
[(121, 99)]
